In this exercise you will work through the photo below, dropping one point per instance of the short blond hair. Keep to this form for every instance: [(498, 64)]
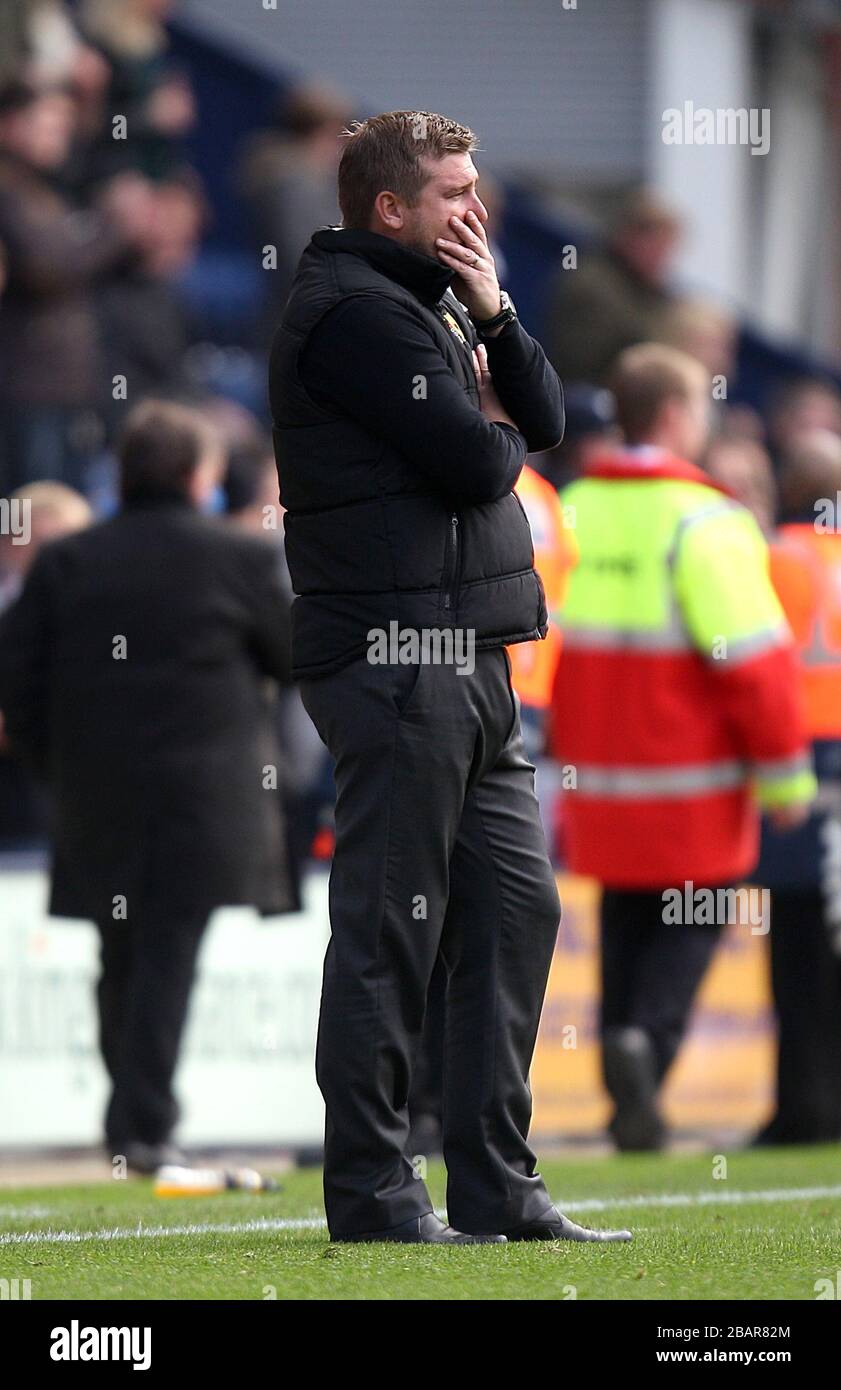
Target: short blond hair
[(645, 377), (55, 506)]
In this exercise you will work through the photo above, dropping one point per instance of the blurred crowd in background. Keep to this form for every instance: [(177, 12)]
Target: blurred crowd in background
[(104, 301)]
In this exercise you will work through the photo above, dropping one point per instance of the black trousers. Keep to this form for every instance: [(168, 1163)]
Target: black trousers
[(439, 847), (806, 977), (650, 969), (148, 967), (427, 1077)]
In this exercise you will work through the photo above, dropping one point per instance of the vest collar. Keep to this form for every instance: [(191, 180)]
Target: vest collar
[(423, 275), (649, 461)]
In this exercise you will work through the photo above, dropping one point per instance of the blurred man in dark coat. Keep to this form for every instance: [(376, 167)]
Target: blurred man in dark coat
[(612, 301), (133, 677)]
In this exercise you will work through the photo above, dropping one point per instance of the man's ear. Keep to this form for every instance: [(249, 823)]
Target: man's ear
[(389, 210), (671, 414)]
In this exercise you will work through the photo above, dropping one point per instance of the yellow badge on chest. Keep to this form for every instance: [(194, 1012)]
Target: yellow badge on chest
[(453, 325)]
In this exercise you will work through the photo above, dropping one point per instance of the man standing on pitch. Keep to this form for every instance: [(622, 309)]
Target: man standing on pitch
[(399, 436)]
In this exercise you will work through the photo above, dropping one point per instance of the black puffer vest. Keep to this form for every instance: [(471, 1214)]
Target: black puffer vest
[(368, 539)]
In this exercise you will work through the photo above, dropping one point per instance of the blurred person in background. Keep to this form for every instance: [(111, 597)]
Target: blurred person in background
[(804, 870), (744, 469), (51, 511), (38, 41), (802, 405), (51, 371), (133, 671), (237, 429), (142, 316), (154, 98), (677, 703), (617, 297), (589, 425), (54, 55), (706, 332), (710, 334), (288, 180), (250, 484), (307, 786)]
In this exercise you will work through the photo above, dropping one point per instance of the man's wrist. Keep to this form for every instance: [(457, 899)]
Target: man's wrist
[(491, 314), (489, 328)]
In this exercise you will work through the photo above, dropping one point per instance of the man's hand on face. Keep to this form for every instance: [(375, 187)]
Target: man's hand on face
[(468, 254)]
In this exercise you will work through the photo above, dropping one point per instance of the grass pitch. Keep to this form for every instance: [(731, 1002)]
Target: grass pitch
[(770, 1229)]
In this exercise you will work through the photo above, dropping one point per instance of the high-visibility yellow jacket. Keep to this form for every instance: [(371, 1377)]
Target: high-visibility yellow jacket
[(676, 706)]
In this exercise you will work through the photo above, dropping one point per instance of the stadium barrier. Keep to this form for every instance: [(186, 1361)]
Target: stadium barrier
[(247, 1074)]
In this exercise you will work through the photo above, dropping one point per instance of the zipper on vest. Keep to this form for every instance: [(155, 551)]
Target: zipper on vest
[(452, 556)]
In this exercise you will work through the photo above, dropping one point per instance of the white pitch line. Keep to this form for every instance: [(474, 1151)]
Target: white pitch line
[(704, 1199), (141, 1232), (316, 1223)]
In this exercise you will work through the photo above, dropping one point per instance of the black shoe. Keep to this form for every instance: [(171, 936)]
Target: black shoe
[(423, 1230), (630, 1074), (778, 1134), (553, 1225), (146, 1159)]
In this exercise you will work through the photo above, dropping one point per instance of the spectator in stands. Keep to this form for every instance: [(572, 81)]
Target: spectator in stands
[(676, 703), (53, 54), (38, 513), (154, 99), (590, 424), (743, 467), (143, 319), (132, 677), (51, 371), (50, 510), (710, 334), (288, 179), (706, 332), (617, 298), (810, 403), (590, 427)]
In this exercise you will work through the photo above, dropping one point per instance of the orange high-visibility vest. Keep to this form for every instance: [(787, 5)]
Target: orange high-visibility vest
[(533, 664), (806, 571)]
